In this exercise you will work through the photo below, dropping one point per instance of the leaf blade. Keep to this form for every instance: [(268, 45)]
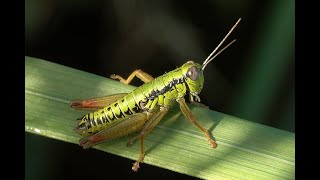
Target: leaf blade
[(246, 150)]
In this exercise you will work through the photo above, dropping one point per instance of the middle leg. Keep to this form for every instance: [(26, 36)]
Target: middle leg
[(145, 77), (145, 131)]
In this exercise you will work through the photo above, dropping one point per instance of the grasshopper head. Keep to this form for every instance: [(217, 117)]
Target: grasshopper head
[(194, 77)]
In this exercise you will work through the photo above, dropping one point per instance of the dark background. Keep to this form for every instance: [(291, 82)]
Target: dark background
[(253, 79)]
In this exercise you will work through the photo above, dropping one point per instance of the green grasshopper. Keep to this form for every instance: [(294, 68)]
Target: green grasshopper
[(142, 109)]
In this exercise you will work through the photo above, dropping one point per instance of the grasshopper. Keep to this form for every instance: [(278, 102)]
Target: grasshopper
[(141, 110)]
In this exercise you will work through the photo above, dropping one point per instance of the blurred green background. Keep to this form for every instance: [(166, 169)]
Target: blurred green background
[(253, 79)]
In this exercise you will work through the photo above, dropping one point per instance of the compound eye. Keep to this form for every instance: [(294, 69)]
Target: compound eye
[(193, 73)]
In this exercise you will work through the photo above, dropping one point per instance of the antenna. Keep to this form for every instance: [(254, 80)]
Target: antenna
[(210, 58)]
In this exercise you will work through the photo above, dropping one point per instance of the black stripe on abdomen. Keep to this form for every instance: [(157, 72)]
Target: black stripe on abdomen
[(110, 111)]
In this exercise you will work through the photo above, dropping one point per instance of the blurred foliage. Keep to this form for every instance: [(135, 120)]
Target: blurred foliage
[(263, 86)]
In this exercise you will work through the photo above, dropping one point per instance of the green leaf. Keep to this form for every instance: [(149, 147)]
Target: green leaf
[(246, 150)]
